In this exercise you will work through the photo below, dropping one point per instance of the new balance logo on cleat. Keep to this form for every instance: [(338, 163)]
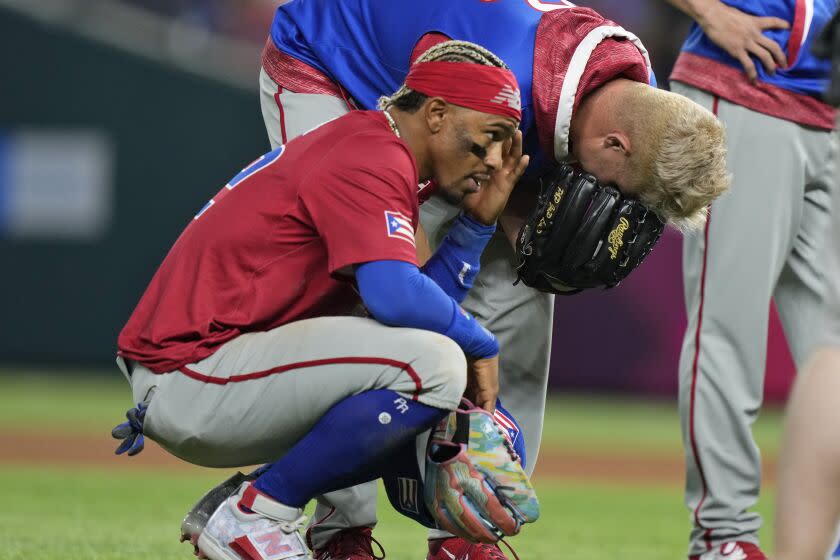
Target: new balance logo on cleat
[(268, 545), (733, 550), (261, 533)]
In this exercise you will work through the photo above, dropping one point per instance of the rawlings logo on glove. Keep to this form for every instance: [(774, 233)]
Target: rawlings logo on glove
[(475, 486), (583, 235)]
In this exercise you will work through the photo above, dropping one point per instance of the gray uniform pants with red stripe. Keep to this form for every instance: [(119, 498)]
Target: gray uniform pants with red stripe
[(764, 239), (260, 393), (520, 317)]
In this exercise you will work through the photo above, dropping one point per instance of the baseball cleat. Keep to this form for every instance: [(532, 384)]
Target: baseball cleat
[(455, 548), (350, 544), (253, 526), (197, 517), (732, 550)]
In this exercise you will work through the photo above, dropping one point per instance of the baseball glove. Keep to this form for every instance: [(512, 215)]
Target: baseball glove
[(475, 487), (583, 235)]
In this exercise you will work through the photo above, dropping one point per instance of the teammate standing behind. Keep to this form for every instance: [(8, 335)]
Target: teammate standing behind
[(749, 61), (585, 97), (237, 353)]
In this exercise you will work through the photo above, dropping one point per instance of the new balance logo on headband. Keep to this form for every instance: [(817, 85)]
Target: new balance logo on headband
[(510, 97), (487, 89)]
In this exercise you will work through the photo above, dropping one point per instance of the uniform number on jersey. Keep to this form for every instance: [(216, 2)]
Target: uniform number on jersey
[(259, 164)]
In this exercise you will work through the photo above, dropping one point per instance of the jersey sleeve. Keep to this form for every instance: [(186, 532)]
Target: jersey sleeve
[(363, 202)]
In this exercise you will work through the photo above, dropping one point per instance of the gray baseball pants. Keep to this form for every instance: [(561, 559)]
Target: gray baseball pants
[(520, 317), (764, 239), (259, 393)]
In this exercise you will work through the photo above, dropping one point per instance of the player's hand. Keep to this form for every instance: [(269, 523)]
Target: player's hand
[(740, 35), (486, 205), (483, 382)]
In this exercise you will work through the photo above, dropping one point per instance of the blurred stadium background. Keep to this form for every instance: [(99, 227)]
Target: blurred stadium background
[(118, 120)]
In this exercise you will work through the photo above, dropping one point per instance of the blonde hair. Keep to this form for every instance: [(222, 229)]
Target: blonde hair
[(681, 156), (447, 51)]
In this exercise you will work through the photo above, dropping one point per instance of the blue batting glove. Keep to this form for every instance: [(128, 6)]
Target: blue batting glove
[(131, 432)]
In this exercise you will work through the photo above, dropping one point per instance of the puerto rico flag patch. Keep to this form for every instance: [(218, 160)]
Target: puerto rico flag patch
[(511, 430), (399, 226)]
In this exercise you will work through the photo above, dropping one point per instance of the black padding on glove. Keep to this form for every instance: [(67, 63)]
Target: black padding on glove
[(583, 235)]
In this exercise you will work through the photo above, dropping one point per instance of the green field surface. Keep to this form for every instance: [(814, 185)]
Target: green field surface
[(78, 512), (76, 401), (55, 514)]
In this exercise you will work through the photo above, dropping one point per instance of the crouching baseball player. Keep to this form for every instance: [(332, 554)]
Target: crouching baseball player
[(241, 350), (585, 97)]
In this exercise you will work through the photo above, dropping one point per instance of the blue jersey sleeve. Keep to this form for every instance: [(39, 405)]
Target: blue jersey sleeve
[(396, 293)]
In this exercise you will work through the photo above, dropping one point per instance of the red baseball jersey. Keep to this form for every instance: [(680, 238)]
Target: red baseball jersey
[(270, 248)]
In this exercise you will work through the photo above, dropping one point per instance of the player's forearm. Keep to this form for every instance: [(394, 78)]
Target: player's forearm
[(397, 294)]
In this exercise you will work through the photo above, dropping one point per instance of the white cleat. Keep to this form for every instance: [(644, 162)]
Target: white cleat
[(252, 526), (195, 520)]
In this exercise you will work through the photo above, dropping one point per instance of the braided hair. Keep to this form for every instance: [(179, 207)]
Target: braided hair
[(408, 100)]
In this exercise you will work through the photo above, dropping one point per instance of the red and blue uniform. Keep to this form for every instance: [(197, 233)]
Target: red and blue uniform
[(362, 49), (366, 45), (792, 93)]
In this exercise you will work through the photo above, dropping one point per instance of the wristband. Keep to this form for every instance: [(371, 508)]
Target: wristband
[(456, 262), (474, 339)]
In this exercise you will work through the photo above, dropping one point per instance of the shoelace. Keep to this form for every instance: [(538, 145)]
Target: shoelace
[(492, 551), (510, 548), (351, 542), (293, 526)]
